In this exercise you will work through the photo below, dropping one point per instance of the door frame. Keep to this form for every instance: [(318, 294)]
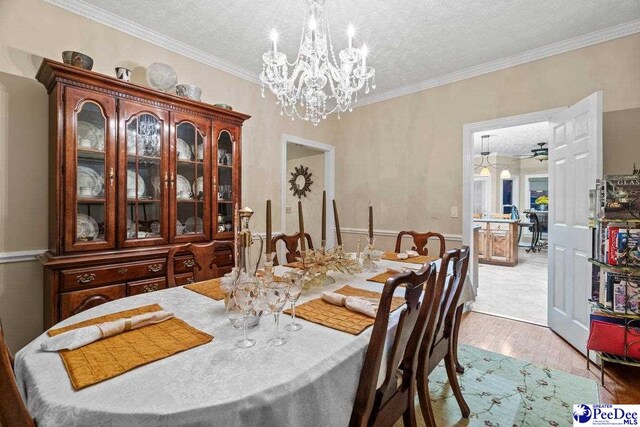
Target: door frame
[(468, 130), (329, 179)]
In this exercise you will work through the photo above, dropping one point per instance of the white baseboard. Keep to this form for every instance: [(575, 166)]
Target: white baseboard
[(21, 256)]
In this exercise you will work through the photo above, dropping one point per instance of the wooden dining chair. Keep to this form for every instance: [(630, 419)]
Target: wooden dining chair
[(291, 244), (13, 411), (384, 405), (203, 263), (440, 338), (420, 241)]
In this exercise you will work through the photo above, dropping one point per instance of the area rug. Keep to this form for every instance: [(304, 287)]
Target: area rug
[(503, 391)]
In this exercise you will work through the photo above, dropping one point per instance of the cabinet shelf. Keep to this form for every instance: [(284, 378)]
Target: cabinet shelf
[(90, 200), (139, 201), (630, 314), (225, 201), (629, 220), (225, 166), (633, 271), (191, 162), (619, 359)]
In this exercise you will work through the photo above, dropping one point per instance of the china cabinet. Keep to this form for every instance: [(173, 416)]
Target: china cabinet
[(133, 173)]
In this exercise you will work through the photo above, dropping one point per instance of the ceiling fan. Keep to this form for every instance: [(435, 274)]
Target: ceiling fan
[(541, 153)]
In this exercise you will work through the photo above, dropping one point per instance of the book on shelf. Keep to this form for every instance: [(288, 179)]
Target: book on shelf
[(628, 247), (621, 196)]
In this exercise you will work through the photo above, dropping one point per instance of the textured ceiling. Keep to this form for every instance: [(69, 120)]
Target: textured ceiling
[(513, 140), (410, 41)]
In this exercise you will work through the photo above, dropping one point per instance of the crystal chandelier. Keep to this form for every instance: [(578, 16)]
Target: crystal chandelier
[(318, 84)]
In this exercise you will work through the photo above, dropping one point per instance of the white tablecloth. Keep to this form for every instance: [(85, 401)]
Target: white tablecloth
[(309, 381)]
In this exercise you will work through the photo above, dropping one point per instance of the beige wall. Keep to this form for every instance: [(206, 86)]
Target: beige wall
[(621, 135), (33, 29), (404, 154), (409, 149)]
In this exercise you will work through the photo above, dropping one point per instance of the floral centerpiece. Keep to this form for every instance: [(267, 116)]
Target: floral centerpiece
[(543, 201), (317, 263)]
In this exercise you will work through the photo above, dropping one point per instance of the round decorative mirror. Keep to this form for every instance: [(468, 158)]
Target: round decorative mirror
[(300, 181)]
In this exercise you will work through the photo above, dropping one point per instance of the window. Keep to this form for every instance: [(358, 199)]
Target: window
[(509, 194), (481, 196)]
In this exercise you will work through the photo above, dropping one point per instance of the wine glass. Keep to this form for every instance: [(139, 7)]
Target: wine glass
[(245, 295), (276, 293), (295, 289)]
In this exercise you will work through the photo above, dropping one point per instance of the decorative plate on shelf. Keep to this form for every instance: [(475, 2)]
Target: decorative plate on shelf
[(179, 228), (86, 227), (131, 229), (161, 76), (183, 150), (183, 188), (193, 225), (90, 136), (132, 137), (198, 186), (132, 176), (200, 150), (89, 182)]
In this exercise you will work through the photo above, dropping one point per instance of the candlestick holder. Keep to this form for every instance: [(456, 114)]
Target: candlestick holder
[(370, 257)]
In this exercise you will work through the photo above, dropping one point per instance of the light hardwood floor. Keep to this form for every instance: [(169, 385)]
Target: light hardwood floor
[(538, 344)]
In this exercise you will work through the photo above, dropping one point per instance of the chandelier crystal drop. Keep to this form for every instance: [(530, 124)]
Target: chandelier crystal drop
[(316, 84)]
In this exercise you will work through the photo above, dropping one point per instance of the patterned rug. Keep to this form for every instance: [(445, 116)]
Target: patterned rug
[(503, 391)]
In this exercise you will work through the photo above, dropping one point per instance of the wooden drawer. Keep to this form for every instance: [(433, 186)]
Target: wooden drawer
[(113, 273), (145, 286), (184, 279), (74, 302), (223, 259), (185, 264)]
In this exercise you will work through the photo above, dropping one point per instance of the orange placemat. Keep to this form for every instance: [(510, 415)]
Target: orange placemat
[(340, 318), (421, 259), (382, 277), (120, 353), (208, 288)]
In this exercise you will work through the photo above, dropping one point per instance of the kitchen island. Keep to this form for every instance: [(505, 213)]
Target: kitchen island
[(497, 241)]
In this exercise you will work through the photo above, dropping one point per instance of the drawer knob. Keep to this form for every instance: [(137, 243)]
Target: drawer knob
[(122, 271), (189, 263), (230, 257), (191, 280), (86, 278), (154, 268), (150, 287)]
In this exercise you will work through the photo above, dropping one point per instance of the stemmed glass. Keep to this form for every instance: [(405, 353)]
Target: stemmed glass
[(295, 289), (246, 296), (276, 299)]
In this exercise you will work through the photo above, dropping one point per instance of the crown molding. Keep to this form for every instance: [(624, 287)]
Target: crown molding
[(574, 43), (21, 256), (119, 23)]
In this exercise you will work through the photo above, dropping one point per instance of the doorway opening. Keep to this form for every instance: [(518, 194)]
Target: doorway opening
[(317, 162), (510, 218)]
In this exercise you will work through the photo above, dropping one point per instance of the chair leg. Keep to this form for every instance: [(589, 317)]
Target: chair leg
[(455, 386), (409, 416), (425, 400), (454, 338)]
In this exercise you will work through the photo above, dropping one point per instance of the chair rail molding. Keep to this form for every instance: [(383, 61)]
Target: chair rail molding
[(20, 256), (394, 233)]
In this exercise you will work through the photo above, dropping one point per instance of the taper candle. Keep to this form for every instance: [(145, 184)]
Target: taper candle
[(335, 216), (303, 247), (269, 250), (324, 217), (370, 223), (236, 230)]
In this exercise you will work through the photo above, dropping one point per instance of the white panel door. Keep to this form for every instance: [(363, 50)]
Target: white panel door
[(575, 162)]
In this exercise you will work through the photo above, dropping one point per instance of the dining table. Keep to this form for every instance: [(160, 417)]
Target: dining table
[(309, 381)]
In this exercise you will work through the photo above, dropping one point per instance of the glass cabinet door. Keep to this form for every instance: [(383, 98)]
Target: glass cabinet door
[(89, 170), (190, 177), (143, 175), (226, 180)]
